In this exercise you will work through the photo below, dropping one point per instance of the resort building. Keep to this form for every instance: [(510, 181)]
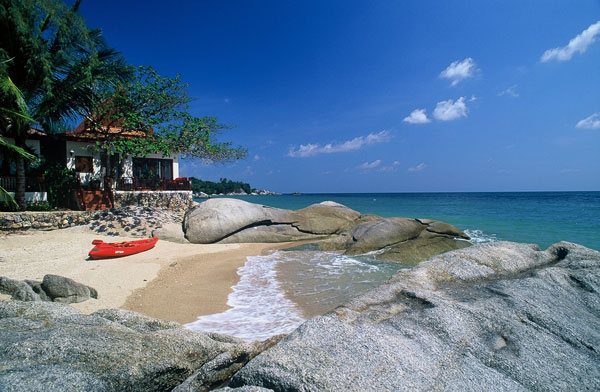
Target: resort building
[(101, 176)]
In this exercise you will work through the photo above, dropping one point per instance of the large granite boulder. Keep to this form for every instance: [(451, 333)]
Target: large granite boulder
[(52, 347), (234, 221), (327, 217), (495, 317)]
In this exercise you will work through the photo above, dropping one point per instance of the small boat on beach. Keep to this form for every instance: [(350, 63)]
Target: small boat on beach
[(104, 250)]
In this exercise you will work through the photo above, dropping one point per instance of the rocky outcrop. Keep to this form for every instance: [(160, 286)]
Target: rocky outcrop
[(497, 317), (404, 240), (53, 288), (52, 347), (232, 221), (401, 239)]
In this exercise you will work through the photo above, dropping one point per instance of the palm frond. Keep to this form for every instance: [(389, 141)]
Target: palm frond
[(14, 150)]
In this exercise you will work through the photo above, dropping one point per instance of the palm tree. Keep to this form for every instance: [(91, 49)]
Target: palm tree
[(52, 68)]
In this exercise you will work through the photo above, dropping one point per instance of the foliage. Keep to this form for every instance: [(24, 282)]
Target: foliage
[(52, 69), (223, 186), (9, 150), (150, 115), (60, 182), (39, 206)]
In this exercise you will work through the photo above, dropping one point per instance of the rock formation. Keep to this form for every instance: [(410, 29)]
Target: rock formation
[(401, 239), (52, 347), (497, 317), (52, 288)]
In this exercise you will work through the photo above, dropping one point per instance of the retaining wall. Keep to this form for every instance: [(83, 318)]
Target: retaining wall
[(178, 201), (47, 220)]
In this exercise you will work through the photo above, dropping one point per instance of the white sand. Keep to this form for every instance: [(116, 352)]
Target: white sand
[(33, 254)]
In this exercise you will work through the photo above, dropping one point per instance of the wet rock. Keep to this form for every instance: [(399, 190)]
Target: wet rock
[(497, 317), (403, 240)]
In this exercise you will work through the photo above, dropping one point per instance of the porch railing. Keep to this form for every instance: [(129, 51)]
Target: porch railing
[(147, 184), (32, 184)]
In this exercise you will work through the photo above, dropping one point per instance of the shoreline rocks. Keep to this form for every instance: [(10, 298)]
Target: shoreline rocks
[(49, 346), (52, 288), (339, 227), (500, 316)]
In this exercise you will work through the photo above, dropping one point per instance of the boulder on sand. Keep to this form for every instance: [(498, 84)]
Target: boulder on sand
[(65, 290), (233, 221), (496, 317), (404, 240), (216, 219)]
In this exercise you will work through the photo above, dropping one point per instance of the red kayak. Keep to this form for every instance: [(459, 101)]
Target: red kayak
[(104, 250)]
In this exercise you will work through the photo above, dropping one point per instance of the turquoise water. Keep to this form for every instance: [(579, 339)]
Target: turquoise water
[(279, 291), (541, 218)]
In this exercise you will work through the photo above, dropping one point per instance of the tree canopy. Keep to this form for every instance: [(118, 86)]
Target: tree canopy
[(52, 68), (224, 186), (150, 115)]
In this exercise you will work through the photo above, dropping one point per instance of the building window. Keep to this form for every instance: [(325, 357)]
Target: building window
[(84, 164), (149, 168)]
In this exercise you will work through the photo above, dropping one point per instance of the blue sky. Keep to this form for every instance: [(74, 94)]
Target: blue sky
[(382, 96)]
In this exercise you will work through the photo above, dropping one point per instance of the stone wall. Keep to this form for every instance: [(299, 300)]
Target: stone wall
[(178, 201), (50, 220)]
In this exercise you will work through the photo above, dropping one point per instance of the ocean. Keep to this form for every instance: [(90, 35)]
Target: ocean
[(277, 292)]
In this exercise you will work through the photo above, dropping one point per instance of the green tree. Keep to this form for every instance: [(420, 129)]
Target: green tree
[(150, 115), (14, 151), (52, 68)]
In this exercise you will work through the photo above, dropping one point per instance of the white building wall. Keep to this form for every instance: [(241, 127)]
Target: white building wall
[(75, 149)]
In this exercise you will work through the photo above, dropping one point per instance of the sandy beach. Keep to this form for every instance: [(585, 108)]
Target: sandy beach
[(175, 282)]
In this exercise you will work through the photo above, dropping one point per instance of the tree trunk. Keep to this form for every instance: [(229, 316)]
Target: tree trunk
[(20, 191)]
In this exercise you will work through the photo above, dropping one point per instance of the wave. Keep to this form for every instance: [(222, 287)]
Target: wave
[(479, 237), (259, 308)]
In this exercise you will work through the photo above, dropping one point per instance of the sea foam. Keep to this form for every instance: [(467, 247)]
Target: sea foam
[(259, 308), (479, 237)]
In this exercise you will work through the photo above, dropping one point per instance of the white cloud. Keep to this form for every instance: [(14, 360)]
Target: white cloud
[(512, 91), (592, 122), (417, 168), (417, 116), (578, 44), (372, 165), (450, 110), (256, 157), (568, 170), (310, 149), (226, 100), (459, 71)]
